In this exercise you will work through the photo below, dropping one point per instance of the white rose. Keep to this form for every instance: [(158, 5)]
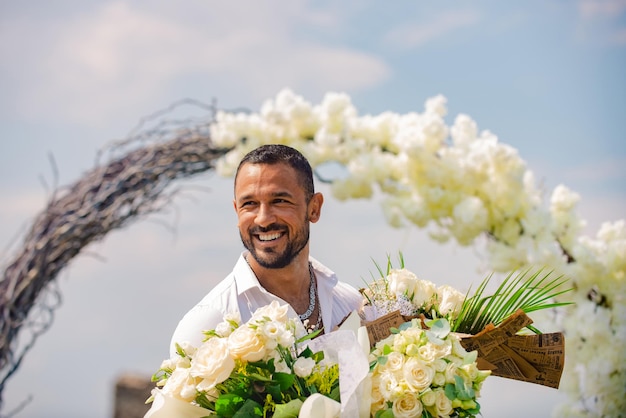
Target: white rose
[(412, 350), (440, 365), (399, 343), (444, 349), (439, 379), (387, 384), (450, 300), (187, 348), (303, 367), (245, 344), (182, 362), (424, 293), (442, 403), (212, 362), (286, 338), (224, 329), (469, 370), (450, 372), (417, 374), (169, 364), (376, 397), (407, 406), (275, 311), (402, 282), (395, 361), (428, 397), (279, 362), (273, 332), (428, 352), (181, 385)]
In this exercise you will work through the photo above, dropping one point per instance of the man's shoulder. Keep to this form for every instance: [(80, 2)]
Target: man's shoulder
[(223, 289), (346, 290)]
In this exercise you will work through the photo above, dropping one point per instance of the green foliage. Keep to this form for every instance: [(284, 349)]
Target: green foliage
[(527, 290)]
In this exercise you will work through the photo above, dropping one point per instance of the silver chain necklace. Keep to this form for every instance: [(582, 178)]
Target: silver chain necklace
[(312, 297)]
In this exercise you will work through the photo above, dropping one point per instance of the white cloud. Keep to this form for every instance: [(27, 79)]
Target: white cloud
[(590, 9), (603, 19), (92, 67), (414, 35)]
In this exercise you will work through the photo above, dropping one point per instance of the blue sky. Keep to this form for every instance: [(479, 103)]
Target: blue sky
[(546, 76)]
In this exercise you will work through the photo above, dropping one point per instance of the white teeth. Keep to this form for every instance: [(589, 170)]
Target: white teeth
[(270, 237)]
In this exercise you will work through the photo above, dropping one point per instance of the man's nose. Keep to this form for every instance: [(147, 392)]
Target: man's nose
[(265, 216)]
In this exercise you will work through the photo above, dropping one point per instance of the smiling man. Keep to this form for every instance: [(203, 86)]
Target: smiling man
[(275, 202)]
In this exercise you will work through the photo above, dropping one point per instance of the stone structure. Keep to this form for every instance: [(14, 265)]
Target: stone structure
[(131, 392)]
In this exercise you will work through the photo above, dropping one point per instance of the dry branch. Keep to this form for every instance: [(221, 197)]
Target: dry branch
[(132, 184)]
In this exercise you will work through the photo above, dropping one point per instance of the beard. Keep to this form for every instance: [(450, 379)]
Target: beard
[(270, 258)]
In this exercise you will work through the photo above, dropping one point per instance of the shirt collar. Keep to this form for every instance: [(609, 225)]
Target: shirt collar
[(247, 280)]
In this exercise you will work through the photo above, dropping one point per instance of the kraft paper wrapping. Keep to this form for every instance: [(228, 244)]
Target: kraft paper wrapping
[(530, 358)]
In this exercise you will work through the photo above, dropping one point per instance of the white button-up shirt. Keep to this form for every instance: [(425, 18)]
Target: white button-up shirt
[(241, 292)]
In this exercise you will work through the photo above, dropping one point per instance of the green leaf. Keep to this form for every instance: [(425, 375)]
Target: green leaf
[(387, 413), (275, 391), (450, 391), (470, 357), (529, 290), (319, 356), (306, 353), (439, 328), (476, 410), (290, 409), (259, 377), (285, 380), (335, 393), (309, 336), (249, 409), (406, 325), (227, 404), (464, 392), (264, 365)]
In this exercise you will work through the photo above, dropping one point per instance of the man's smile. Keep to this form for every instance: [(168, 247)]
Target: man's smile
[(271, 236)]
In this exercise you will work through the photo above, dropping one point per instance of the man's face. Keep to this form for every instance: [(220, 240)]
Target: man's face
[(273, 213)]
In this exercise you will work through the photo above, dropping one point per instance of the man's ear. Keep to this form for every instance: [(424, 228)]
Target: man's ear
[(315, 207)]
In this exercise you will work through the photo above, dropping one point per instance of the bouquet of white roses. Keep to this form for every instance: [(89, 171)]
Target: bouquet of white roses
[(423, 369), (420, 372), (245, 370), (401, 290)]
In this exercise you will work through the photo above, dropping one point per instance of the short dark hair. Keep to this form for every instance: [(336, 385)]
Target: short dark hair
[(276, 154)]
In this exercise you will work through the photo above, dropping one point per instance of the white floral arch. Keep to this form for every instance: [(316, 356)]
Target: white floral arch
[(459, 183)]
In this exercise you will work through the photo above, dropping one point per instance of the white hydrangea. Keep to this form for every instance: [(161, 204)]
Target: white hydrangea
[(464, 130)]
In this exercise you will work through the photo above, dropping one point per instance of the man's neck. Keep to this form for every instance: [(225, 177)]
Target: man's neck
[(290, 283)]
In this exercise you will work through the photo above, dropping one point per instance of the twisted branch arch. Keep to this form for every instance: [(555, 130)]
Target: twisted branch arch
[(132, 182)]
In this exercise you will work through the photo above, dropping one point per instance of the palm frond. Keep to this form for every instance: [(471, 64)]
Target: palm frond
[(527, 290)]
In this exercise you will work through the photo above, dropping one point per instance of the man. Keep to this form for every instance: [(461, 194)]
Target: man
[(275, 201)]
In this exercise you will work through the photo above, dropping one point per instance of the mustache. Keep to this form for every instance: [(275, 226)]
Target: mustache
[(264, 230)]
